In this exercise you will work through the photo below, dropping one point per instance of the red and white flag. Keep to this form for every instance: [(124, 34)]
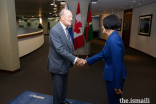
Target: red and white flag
[(78, 35)]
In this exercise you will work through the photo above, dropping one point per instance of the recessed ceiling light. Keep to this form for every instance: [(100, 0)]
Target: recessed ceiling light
[(94, 2), (134, 1), (55, 5), (62, 3), (54, 8), (112, 12), (51, 4), (50, 13), (32, 16), (54, 11)]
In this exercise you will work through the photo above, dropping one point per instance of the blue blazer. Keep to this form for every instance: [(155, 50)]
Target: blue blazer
[(113, 56)]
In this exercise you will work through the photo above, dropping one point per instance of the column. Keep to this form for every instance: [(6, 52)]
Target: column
[(9, 54), (17, 22), (45, 25)]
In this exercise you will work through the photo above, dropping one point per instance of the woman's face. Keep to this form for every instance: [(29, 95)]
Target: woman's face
[(104, 30)]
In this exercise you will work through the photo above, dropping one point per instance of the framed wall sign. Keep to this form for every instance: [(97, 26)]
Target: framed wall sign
[(145, 22)]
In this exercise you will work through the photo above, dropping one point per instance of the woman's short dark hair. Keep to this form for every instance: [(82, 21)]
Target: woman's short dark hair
[(111, 22)]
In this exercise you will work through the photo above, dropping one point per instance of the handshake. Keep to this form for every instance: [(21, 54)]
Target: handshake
[(80, 61)]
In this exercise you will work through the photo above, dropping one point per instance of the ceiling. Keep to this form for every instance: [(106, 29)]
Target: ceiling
[(36, 8)]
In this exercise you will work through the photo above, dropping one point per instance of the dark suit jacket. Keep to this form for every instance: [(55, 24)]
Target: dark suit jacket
[(113, 56), (60, 57)]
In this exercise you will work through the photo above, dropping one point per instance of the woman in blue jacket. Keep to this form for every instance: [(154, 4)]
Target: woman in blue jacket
[(113, 55)]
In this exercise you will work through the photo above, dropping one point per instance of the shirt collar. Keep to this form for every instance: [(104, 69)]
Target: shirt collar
[(64, 27)]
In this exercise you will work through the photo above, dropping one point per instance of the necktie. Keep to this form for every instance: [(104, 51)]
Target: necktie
[(69, 39)]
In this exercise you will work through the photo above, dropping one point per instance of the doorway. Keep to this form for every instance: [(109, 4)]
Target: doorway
[(127, 27)]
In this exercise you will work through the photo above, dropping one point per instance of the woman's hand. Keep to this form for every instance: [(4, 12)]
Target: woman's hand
[(118, 91)]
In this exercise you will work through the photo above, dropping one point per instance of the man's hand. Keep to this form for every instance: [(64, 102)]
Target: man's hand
[(84, 61), (80, 62), (118, 91)]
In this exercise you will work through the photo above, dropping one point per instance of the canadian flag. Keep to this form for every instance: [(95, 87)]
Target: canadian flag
[(78, 35)]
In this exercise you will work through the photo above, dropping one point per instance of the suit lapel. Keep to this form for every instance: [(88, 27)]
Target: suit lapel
[(70, 40), (64, 36)]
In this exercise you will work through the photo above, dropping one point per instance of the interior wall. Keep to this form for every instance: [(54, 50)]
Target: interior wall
[(101, 35), (53, 22), (146, 44), (33, 23), (121, 16), (95, 22)]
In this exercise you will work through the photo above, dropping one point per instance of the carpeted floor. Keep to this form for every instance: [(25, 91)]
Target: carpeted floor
[(86, 83)]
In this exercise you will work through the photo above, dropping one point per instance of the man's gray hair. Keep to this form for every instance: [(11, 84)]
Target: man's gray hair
[(62, 12)]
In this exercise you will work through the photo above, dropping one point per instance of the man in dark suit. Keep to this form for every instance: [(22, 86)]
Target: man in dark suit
[(61, 56)]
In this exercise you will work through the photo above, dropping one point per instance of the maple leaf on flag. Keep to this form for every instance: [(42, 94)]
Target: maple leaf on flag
[(77, 27)]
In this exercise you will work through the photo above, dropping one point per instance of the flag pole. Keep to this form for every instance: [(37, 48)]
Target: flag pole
[(87, 52)]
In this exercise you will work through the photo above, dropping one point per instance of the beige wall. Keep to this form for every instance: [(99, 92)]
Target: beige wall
[(144, 43), (101, 35), (121, 16)]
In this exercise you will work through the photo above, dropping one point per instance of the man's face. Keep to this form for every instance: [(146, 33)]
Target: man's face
[(67, 18)]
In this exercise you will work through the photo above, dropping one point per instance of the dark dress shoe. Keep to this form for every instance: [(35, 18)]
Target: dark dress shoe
[(67, 103)]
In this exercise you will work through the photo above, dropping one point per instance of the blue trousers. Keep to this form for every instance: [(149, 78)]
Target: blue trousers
[(112, 96)]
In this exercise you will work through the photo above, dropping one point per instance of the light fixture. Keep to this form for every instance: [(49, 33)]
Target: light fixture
[(120, 7), (55, 5), (95, 16), (32, 16), (54, 11), (112, 11), (54, 8), (134, 1), (94, 2), (51, 4), (62, 3), (50, 13)]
